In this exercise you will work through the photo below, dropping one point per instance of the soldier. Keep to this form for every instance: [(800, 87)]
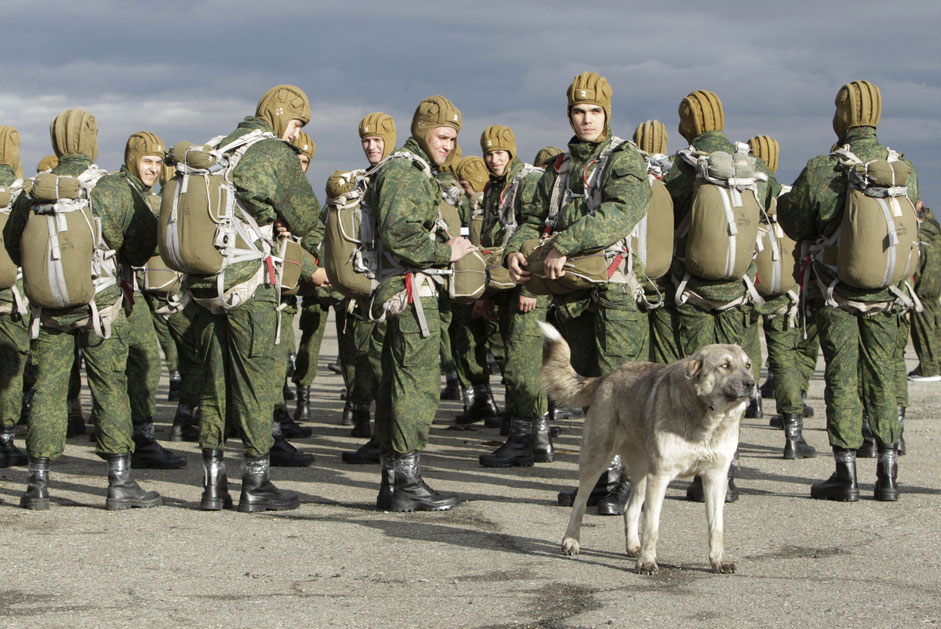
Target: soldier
[(603, 325), (511, 187), (405, 197), (709, 311), (546, 156), (143, 163), (128, 227), (779, 320), (47, 163), (242, 377), (859, 328), (14, 328), (926, 325)]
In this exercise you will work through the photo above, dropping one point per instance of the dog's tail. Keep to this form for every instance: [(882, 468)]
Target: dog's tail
[(561, 382)]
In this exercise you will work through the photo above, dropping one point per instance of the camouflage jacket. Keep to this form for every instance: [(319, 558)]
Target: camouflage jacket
[(928, 275), (680, 181), (494, 228), (814, 207), (127, 225), (270, 185), (7, 176)]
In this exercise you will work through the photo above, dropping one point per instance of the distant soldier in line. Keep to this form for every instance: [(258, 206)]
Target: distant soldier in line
[(926, 325)]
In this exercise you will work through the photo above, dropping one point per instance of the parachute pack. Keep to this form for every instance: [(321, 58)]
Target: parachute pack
[(64, 257), (9, 272), (652, 237), (778, 257), (876, 243), (203, 228)]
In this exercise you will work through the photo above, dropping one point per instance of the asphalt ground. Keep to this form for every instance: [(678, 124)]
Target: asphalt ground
[(494, 561)]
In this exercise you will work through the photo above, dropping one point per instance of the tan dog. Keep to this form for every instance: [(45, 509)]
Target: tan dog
[(665, 421)]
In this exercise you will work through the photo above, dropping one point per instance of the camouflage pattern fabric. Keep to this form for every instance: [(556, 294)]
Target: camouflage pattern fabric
[(242, 373), (105, 360), (926, 325), (313, 323), (664, 342), (143, 362), (360, 345), (192, 372), (445, 351), (286, 347), (164, 337), (697, 328), (14, 354), (469, 342), (522, 339), (862, 353), (782, 344)]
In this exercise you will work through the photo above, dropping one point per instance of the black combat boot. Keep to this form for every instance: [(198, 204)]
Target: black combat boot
[(367, 454), (753, 410), (606, 483), (887, 469), (123, 492), (484, 406), (776, 421), (411, 492), (185, 427), (868, 449), (543, 452), (696, 493), (36, 496), (215, 482), (361, 421), (10, 455), (176, 386), (76, 425), (287, 392), (148, 454), (302, 408), (808, 409), (518, 449), (468, 397), (901, 430), (767, 389), (386, 482), (290, 428), (336, 367), (346, 419), (613, 503), (794, 445), (841, 486), (258, 492), (284, 454), (452, 387)]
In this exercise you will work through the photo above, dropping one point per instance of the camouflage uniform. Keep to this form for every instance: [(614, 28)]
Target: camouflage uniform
[(243, 374), (926, 325), (850, 341), (130, 229)]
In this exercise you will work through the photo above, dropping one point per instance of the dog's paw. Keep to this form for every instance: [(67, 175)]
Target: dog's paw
[(633, 550), (569, 546), (723, 567), (647, 567)]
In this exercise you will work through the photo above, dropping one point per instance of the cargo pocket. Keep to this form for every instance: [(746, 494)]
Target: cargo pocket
[(621, 334)]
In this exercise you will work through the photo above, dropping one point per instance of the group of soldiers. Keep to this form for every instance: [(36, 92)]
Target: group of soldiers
[(229, 342)]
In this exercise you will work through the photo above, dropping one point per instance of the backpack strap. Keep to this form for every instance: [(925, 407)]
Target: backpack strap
[(505, 213)]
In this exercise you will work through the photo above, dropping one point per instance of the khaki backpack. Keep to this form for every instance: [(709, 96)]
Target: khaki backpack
[(8, 269), (876, 243), (721, 229), (652, 238), (65, 259), (155, 276), (468, 278), (778, 257)]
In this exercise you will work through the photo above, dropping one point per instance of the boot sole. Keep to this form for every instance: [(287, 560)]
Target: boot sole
[(543, 458), (6, 461), (112, 504), (852, 497), (256, 507), (419, 507), (216, 505)]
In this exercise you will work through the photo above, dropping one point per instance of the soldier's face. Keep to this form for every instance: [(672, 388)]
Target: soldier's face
[(291, 131), (373, 146), (305, 162), (467, 188), (441, 142), (149, 168), (588, 122), (497, 161)]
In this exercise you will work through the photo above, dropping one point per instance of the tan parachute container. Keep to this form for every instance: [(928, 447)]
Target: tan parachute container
[(292, 259), (468, 278), (351, 244), (585, 271), (877, 241), (722, 229), (778, 258), (156, 276), (8, 269), (652, 238)]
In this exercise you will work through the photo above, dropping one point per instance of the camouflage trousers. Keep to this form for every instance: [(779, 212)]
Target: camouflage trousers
[(862, 357), (697, 328), (242, 381), (313, 323), (409, 385), (604, 329), (446, 355), (926, 337), (360, 346), (143, 361), (105, 360), (789, 361), (469, 341), (180, 326), (286, 345), (522, 340), (167, 344), (664, 344), (14, 354)]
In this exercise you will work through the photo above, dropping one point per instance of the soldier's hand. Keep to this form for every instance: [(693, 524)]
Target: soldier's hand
[(554, 265), (518, 267), (319, 278), (460, 247), (527, 304), (281, 229)]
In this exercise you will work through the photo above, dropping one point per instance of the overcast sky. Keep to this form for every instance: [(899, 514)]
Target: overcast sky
[(192, 70)]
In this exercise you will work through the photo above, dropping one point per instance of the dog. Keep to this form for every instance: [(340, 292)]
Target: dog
[(665, 421)]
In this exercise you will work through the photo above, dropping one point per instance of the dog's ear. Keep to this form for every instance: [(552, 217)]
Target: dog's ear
[(692, 367)]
